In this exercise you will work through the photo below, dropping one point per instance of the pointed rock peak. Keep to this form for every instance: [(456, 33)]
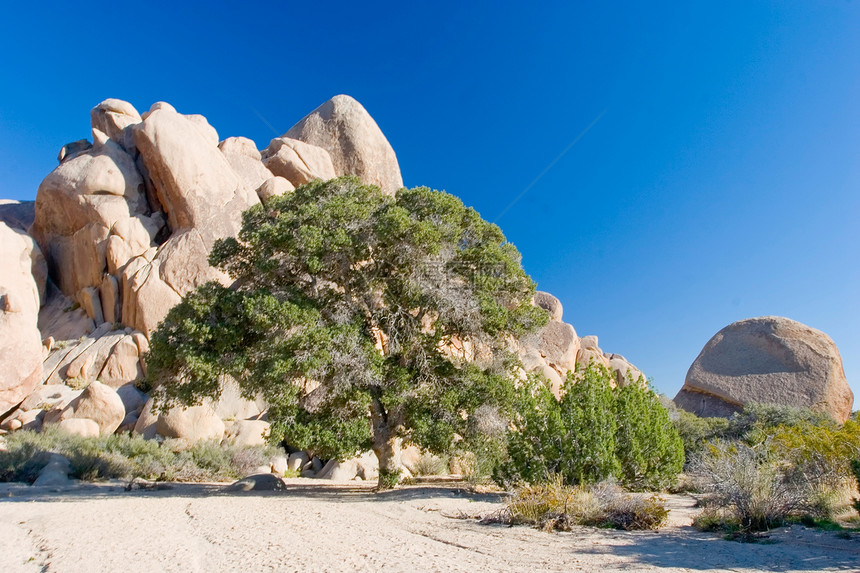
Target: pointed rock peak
[(357, 146)]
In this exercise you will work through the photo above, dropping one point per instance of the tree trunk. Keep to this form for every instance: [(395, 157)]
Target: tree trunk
[(386, 446)]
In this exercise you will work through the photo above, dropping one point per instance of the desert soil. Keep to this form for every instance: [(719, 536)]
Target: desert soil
[(346, 527)]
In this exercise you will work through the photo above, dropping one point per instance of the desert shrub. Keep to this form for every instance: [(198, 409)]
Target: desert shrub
[(25, 456), (749, 488), (93, 466), (554, 505), (28, 452), (483, 446), (649, 450), (822, 451), (588, 412), (756, 422), (245, 460), (430, 465), (855, 469), (535, 447), (594, 432)]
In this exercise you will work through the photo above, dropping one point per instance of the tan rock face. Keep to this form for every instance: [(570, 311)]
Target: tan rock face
[(92, 215), (354, 141), (193, 179), (20, 340), (248, 433), (274, 187), (552, 351), (245, 160), (770, 360), (83, 427), (113, 117)]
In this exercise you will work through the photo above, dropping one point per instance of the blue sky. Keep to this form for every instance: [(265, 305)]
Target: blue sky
[(720, 182)]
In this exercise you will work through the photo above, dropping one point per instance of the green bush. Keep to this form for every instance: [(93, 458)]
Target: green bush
[(855, 469), (588, 412), (650, 452), (535, 447), (594, 432), (752, 425), (695, 431)]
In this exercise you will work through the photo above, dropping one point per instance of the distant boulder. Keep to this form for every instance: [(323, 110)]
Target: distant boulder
[(770, 360)]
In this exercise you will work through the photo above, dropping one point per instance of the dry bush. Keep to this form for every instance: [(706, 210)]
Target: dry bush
[(748, 488), (552, 505), (430, 465)]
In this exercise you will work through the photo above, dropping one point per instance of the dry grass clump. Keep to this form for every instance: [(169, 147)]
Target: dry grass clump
[(430, 465), (555, 506)]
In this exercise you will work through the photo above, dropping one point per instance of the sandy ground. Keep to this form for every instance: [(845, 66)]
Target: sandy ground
[(346, 527)]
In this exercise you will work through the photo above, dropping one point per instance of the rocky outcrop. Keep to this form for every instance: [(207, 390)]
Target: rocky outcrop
[(355, 143), (191, 425), (20, 340), (556, 350), (247, 433), (771, 360), (126, 223), (92, 212)]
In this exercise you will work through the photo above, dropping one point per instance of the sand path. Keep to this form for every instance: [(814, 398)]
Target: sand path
[(322, 527)]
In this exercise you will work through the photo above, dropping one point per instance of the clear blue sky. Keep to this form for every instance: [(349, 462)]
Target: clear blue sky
[(721, 182)]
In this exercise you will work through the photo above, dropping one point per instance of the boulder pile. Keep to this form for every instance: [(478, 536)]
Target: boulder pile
[(121, 230)]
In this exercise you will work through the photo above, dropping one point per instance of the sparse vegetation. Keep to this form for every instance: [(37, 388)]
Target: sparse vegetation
[(431, 465), (126, 456), (769, 464), (749, 488)]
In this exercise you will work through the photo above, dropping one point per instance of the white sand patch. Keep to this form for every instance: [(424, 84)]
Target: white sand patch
[(346, 527)]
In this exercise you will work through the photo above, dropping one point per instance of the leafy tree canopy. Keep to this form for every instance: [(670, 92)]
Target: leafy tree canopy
[(361, 318)]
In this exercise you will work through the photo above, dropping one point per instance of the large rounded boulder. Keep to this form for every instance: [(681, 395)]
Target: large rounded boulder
[(771, 360)]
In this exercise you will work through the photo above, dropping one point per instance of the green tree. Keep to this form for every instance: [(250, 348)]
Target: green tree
[(363, 319), (649, 450)]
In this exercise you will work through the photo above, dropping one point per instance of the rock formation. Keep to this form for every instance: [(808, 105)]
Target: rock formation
[(556, 350), (771, 360), (126, 223)]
